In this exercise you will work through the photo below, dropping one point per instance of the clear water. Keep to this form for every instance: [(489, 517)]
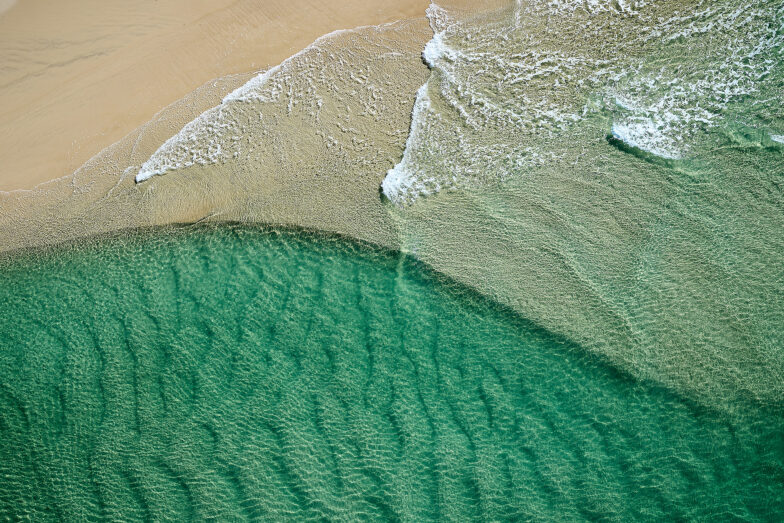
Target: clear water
[(238, 373), (607, 174), (516, 90), (613, 171), (609, 169)]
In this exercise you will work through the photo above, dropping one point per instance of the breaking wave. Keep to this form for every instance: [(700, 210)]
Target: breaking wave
[(515, 90)]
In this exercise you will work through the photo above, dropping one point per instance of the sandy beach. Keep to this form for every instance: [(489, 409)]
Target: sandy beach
[(78, 75), (469, 260), (312, 147)]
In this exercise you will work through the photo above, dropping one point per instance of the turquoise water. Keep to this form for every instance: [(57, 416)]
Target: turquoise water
[(241, 373), (610, 169), (605, 175)]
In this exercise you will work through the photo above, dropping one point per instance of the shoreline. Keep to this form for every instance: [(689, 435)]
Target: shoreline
[(553, 245), (101, 73), (101, 196)]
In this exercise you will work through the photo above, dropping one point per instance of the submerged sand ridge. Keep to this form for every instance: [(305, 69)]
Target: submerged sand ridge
[(389, 393), (653, 267), (78, 75)]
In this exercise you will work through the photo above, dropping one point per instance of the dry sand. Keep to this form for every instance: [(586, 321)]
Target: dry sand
[(78, 75)]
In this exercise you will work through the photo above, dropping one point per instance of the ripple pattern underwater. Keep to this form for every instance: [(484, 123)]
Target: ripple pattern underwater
[(235, 372)]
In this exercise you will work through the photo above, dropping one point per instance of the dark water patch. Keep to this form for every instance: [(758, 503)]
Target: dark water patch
[(670, 163), (740, 136), (247, 373)]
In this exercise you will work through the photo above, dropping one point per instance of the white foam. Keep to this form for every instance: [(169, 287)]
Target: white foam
[(435, 50), (401, 181), (777, 138), (438, 17), (626, 7), (481, 91), (664, 110), (253, 90), (196, 144), (645, 135), (215, 135)]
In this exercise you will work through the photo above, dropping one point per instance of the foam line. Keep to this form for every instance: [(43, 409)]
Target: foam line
[(197, 143)]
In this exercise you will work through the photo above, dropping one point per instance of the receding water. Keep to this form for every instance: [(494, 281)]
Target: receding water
[(610, 169), (515, 91), (242, 373)]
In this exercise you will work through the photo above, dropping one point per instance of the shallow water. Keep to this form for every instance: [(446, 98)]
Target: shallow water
[(618, 202), (610, 170), (237, 372), (515, 90)]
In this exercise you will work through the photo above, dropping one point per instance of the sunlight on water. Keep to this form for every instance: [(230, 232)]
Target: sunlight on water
[(511, 89), (233, 372)]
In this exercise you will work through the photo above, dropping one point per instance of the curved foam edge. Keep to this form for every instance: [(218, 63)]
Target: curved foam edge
[(400, 179), (642, 136), (164, 159)]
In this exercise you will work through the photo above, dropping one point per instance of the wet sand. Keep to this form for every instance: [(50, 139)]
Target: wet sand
[(554, 246), (310, 165), (78, 75)]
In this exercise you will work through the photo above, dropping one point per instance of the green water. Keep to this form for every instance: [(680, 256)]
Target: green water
[(239, 373)]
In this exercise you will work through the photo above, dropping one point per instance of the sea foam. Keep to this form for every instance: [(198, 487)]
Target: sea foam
[(468, 118), (217, 134), (401, 181), (506, 91), (646, 136), (626, 7)]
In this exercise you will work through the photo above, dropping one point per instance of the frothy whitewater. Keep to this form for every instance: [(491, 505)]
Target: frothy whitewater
[(609, 169), (607, 174), (217, 134), (509, 91)]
